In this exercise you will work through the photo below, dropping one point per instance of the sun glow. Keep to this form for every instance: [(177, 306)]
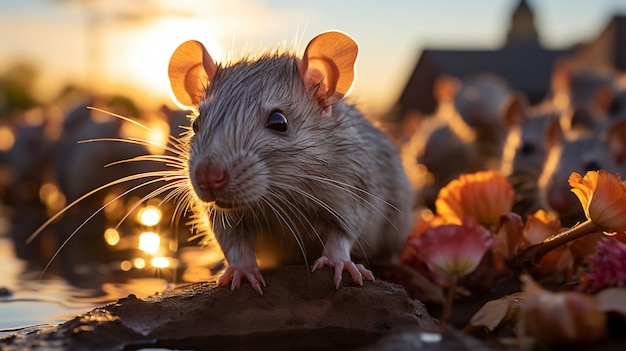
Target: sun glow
[(143, 51)]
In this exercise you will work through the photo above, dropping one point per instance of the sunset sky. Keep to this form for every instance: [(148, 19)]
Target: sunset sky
[(120, 45)]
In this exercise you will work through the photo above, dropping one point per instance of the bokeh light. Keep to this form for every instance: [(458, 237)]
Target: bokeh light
[(140, 263), (111, 236), (150, 216), (7, 138), (149, 242), (126, 265), (160, 262)]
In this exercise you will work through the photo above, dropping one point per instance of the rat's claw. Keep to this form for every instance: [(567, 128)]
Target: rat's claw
[(356, 275), (253, 275), (339, 274), (225, 277), (357, 271), (256, 279), (320, 262)]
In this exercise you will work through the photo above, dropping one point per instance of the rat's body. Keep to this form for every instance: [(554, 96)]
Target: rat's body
[(288, 172)]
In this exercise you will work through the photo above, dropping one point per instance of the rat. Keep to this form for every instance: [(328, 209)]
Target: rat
[(285, 170), (527, 155), (589, 152)]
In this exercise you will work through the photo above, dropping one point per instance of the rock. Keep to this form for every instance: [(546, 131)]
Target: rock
[(299, 310)]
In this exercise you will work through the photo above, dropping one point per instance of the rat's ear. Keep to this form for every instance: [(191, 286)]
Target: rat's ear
[(553, 133), (329, 61), (445, 88), (191, 69), (513, 109)]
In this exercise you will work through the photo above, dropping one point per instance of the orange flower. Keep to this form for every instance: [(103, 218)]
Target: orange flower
[(603, 197), (484, 196), (539, 227)]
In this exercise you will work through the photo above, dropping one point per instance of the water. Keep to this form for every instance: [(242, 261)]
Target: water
[(59, 294)]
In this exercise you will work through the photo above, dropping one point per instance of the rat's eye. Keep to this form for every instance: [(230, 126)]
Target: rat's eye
[(277, 121), (528, 149)]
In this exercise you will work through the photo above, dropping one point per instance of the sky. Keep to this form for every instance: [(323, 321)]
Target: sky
[(124, 46)]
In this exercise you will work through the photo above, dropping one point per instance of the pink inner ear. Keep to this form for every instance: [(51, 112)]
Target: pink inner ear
[(327, 111), (313, 77)]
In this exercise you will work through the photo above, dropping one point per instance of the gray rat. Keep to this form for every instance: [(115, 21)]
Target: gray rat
[(286, 171), (589, 152)]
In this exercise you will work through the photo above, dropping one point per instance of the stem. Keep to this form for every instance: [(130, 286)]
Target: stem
[(447, 306), (529, 257)]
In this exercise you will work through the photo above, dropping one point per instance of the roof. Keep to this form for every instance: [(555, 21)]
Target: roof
[(525, 69)]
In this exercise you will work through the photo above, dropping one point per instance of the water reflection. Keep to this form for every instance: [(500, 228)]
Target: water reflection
[(64, 291)]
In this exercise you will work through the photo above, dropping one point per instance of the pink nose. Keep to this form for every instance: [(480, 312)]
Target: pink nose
[(211, 177)]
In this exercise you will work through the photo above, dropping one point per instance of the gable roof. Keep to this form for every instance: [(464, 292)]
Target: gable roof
[(525, 69)]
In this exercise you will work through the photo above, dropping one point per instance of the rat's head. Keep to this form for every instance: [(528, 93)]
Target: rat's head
[(259, 121)]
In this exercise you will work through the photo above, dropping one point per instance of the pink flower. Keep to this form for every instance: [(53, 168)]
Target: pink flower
[(607, 267), (453, 250)]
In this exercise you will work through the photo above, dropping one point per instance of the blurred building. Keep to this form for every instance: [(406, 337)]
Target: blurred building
[(607, 51), (521, 60)]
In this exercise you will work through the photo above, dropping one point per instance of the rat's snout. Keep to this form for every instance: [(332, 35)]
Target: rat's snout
[(208, 180), (211, 177)]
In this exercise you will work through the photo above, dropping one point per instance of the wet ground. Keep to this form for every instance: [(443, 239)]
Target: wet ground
[(29, 299), (33, 294)]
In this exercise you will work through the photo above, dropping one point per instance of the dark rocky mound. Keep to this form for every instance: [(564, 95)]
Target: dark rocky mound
[(298, 311)]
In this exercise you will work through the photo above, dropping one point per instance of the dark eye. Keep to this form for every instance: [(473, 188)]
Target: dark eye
[(528, 149), (195, 125), (277, 121)]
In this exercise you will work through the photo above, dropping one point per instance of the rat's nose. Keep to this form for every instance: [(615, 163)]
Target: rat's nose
[(211, 177)]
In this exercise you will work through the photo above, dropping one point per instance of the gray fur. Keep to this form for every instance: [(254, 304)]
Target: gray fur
[(290, 193)]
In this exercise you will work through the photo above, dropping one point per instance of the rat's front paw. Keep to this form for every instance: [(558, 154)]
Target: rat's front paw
[(235, 273), (357, 271)]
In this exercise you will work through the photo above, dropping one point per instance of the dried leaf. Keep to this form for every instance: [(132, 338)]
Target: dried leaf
[(498, 312)]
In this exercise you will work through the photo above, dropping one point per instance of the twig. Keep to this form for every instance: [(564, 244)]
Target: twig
[(528, 257)]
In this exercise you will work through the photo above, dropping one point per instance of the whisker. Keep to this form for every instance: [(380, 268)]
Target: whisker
[(340, 185), (295, 209), (327, 208), (137, 141), (371, 206), (87, 220), (277, 212), (161, 174), (151, 195), (180, 147), (175, 141), (358, 238)]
